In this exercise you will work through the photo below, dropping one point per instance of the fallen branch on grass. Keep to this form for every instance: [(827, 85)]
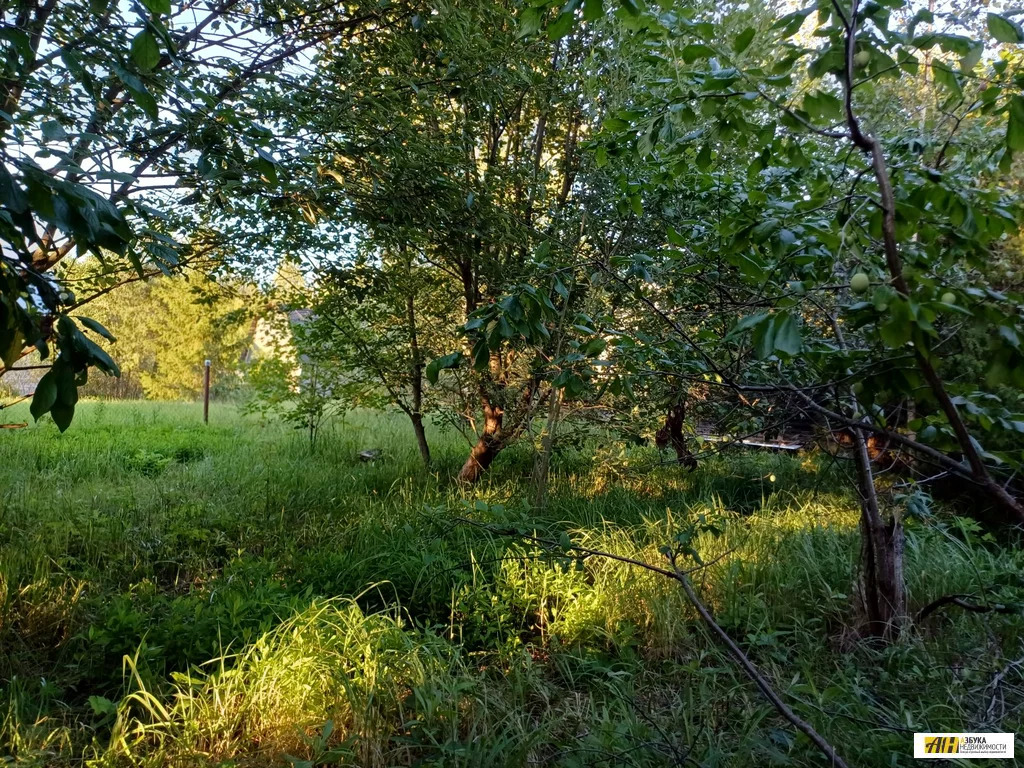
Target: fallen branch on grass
[(682, 576), (960, 601), (996, 687), (754, 674)]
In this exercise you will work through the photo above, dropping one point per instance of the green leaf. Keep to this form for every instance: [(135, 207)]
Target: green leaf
[(630, 7), (896, 332), (439, 364), (481, 355), (787, 335), (744, 39), (1015, 124), (96, 327), (823, 106), (763, 338), (11, 195), (504, 328), (138, 90), (561, 26), (560, 288), (145, 50), (67, 387), (765, 229), (54, 131), (695, 51), (45, 395), (158, 6), (830, 60), (593, 10), (704, 158), (748, 322), (637, 204), (1005, 30), (946, 77), (969, 61), (530, 21), (62, 415), (97, 356), (791, 23), (594, 347), (102, 706), (11, 351)]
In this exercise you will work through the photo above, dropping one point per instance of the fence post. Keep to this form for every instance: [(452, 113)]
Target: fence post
[(206, 392)]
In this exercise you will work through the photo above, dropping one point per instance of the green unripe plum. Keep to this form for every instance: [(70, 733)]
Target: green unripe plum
[(859, 282), (861, 58), (949, 298), (857, 387)]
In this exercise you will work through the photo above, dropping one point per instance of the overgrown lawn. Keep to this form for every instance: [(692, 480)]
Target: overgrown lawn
[(179, 594)]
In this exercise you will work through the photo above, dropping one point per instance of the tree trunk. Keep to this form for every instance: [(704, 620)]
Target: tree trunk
[(872, 148), (487, 447), (416, 413), (542, 464), (672, 434), (421, 437), (882, 589)]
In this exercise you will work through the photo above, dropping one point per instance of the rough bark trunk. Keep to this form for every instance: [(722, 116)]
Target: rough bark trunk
[(487, 447), (416, 412), (672, 434), (421, 437), (882, 589), (542, 463)]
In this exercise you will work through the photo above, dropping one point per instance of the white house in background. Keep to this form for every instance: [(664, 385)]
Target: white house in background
[(272, 336)]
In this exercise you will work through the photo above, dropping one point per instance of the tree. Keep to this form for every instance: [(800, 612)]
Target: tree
[(459, 154), (166, 327), (790, 169), (381, 319), (112, 117)]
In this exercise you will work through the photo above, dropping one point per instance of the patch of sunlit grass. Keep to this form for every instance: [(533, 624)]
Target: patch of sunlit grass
[(331, 664)]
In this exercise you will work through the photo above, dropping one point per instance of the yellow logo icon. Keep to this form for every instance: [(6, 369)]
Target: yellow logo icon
[(963, 746), (942, 745)]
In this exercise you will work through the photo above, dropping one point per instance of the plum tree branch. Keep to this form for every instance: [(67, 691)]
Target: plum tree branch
[(872, 147), (682, 577)]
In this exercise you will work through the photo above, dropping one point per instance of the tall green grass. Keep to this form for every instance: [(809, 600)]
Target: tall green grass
[(179, 594)]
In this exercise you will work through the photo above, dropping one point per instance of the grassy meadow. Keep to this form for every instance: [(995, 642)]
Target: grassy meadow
[(174, 594)]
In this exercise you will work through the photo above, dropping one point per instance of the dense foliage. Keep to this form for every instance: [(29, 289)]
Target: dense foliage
[(544, 225)]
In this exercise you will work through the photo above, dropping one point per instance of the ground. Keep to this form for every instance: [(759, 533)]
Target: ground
[(179, 594)]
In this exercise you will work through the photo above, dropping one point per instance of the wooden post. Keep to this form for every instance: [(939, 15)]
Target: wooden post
[(206, 392)]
